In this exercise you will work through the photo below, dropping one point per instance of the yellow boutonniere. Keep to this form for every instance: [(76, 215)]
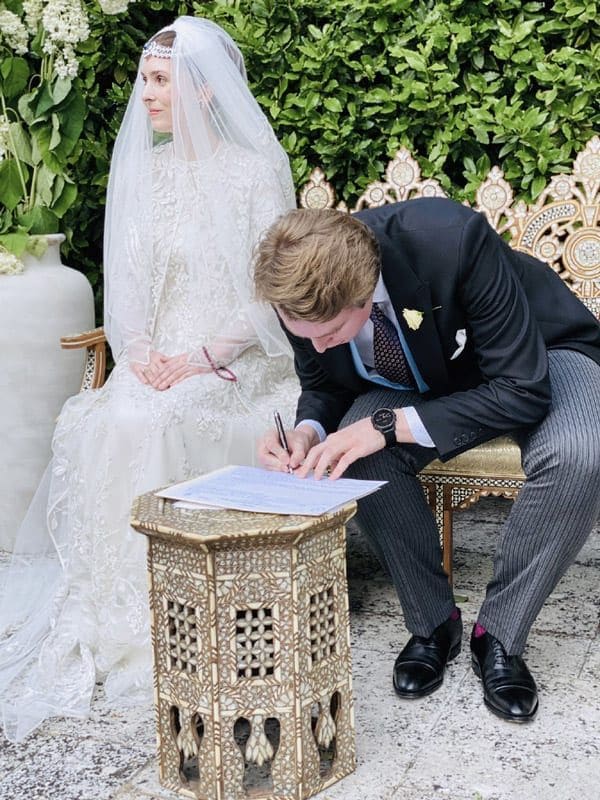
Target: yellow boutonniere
[(413, 318)]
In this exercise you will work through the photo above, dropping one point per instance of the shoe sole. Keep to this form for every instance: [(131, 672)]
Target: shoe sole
[(430, 689), (502, 714)]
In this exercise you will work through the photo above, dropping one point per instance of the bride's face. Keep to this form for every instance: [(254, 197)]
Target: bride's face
[(156, 75)]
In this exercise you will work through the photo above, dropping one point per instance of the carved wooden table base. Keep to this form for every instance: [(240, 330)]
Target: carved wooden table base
[(252, 664)]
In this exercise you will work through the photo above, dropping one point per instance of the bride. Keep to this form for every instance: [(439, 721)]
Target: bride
[(196, 176)]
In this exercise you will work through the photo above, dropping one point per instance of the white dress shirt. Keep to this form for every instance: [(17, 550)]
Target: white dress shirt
[(362, 352)]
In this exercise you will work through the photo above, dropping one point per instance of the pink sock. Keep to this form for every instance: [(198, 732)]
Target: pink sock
[(478, 630), (455, 614)]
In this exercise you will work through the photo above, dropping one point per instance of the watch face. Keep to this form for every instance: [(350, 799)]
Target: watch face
[(384, 418)]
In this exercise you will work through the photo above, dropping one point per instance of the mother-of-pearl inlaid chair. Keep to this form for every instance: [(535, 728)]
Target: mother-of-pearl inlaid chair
[(561, 228)]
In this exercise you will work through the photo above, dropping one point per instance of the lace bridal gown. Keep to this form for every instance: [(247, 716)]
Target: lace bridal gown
[(79, 611)]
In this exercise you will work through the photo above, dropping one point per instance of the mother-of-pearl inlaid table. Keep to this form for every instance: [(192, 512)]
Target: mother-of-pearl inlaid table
[(252, 669)]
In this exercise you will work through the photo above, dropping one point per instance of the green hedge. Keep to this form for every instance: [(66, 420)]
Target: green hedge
[(463, 84)]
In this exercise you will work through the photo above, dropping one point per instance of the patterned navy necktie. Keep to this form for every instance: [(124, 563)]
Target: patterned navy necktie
[(390, 361)]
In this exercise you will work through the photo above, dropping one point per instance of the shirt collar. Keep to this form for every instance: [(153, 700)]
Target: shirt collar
[(380, 295)]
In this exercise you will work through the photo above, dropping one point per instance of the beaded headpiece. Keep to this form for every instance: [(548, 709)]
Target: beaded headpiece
[(158, 50)]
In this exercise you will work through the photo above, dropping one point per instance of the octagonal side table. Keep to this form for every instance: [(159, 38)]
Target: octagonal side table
[(252, 668)]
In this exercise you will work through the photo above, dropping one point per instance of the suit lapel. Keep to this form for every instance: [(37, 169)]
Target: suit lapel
[(407, 291)]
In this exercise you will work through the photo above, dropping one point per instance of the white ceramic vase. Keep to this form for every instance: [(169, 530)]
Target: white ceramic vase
[(48, 300)]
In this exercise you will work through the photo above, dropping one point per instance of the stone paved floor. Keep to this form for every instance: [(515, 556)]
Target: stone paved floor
[(445, 747)]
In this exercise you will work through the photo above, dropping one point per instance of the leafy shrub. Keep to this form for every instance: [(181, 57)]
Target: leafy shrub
[(463, 84), (41, 118)]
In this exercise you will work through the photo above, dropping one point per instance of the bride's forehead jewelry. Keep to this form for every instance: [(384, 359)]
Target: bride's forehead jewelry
[(157, 50)]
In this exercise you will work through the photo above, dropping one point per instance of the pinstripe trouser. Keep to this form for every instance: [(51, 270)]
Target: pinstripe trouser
[(547, 525)]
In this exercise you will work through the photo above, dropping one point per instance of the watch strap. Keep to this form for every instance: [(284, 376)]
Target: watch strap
[(390, 438)]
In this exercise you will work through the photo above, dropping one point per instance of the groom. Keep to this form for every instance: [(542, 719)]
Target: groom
[(419, 333)]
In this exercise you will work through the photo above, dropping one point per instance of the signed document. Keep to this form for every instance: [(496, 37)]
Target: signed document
[(255, 489)]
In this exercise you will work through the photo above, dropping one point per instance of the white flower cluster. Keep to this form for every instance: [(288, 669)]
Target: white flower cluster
[(13, 32), (65, 24), (114, 6), (9, 263), (33, 14)]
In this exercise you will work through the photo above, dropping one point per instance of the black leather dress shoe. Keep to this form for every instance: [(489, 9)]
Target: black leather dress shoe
[(508, 687), (419, 669)]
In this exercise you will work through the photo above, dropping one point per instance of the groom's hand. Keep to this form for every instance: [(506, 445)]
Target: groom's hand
[(342, 448), (272, 455)]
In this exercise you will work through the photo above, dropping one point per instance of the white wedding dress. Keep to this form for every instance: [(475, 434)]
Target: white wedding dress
[(78, 613)]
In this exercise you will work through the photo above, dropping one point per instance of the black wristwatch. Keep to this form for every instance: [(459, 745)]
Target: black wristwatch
[(384, 421)]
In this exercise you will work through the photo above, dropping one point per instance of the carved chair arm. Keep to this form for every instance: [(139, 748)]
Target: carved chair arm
[(95, 364)]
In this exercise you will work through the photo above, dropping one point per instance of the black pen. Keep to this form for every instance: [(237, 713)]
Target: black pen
[(282, 437)]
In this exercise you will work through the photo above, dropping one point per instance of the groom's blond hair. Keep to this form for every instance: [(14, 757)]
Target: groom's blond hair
[(312, 264)]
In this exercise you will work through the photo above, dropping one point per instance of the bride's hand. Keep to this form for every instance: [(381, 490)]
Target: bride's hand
[(176, 369), (147, 373)]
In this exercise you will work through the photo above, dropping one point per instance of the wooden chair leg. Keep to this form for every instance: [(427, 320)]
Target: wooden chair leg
[(439, 498), (447, 543)]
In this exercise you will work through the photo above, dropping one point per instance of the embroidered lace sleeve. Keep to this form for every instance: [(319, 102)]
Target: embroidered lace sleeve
[(258, 202)]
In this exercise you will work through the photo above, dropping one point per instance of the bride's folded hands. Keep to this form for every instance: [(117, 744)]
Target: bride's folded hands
[(175, 369), (147, 373)]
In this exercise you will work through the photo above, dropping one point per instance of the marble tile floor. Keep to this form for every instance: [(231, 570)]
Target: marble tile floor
[(444, 747)]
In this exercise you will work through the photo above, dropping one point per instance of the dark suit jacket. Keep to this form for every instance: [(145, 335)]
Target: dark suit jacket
[(445, 260)]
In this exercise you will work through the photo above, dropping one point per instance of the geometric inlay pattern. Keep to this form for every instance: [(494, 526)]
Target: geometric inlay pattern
[(182, 636), (322, 625), (241, 726), (89, 370), (255, 642), (543, 219)]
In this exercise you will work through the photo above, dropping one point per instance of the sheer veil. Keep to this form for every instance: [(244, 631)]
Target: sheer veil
[(221, 141), (212, 107)]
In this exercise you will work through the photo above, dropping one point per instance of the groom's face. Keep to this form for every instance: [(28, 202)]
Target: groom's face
[(339, 330)]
